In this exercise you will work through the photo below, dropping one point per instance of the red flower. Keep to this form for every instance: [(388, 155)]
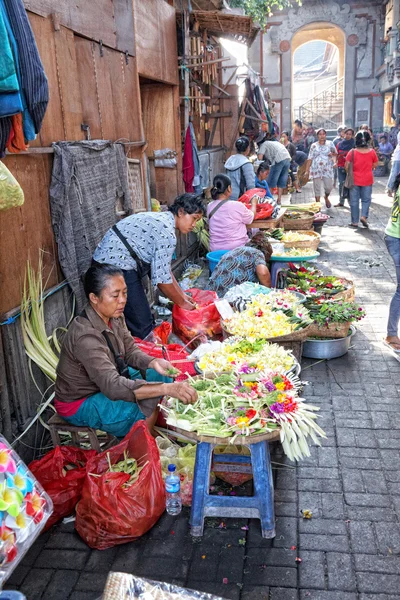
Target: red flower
[(329, 286), (34, 506), (251, 413)]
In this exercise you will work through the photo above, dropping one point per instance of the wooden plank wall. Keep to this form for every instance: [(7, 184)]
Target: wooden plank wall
[(156, 46), (109, 20), (160, 99), (100, 91)]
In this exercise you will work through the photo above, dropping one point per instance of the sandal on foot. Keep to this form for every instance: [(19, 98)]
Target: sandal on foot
[(392, 346), (328, 203), (364, 222), (353, 226), (339, 205)]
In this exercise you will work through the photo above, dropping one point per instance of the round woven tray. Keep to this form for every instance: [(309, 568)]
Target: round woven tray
[(303, 222), (240, 440), (312, 243)]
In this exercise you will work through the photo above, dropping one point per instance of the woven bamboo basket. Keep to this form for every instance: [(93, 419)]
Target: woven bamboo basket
[(333, 330), (348, 294), (313, 242), (304, 222)]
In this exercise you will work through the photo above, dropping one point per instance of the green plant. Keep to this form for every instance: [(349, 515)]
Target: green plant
[(259, 10), (325, 312), (201, 230)]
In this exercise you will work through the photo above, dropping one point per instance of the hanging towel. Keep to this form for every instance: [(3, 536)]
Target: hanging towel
[(87, 180), (8, 74), (188, 162), (196, 162), (17, 142), (33, 78)]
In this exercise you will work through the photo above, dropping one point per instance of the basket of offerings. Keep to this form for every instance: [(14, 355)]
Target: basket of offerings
[(301, 239)]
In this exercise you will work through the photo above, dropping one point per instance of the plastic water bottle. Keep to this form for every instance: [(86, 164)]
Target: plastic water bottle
[(173, 490)]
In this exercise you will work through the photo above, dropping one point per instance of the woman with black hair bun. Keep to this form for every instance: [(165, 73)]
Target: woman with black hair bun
[(103, 379), (143, 244), (364, 159), (227, 218)]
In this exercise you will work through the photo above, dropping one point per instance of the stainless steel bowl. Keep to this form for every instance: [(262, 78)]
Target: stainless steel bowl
[(328, 348)]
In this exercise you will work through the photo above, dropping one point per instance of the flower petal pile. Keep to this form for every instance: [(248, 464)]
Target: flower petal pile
[(250, 404), (269, 316), (234, 353)]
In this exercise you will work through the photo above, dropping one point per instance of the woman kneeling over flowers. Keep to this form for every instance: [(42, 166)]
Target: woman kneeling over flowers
[(247, 263)]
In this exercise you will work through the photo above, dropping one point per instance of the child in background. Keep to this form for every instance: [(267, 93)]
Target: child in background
[(261, 178)]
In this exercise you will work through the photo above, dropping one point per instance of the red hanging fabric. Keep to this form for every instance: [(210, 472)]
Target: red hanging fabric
[(188, 163)]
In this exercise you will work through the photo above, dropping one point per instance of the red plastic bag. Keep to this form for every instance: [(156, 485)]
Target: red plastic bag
[(110, 514), (63, 484), (263, 210), (163, 331), (204, 321), (247, 196)]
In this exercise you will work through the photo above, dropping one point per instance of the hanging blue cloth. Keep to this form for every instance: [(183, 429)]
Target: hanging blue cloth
[(27, 123), (33, 78), (8, 75)]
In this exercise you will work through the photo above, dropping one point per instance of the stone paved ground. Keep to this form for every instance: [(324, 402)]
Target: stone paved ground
[(350, 549)]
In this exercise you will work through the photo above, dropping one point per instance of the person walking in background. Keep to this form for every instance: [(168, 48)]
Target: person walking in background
[(291, 148), (298, 135), (261, 178), (364, 160), (343, 148), (392, 241), (337, 139), (340, 135), (385, 151), (320, 163), (279, 158), (395, 170), (310, 137), (239, 168), (227, 219)]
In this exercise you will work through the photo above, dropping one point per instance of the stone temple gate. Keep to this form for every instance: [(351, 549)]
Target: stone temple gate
[(355, 28)]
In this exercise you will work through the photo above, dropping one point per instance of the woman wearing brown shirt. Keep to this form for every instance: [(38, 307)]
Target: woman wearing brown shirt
[(99, 380)]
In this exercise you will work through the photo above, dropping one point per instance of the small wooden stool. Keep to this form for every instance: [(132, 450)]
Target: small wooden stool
[(259, 506), (79, 434)]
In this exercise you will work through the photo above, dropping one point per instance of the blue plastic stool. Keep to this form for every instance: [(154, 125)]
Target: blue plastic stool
[(275, 268), (260, 506)]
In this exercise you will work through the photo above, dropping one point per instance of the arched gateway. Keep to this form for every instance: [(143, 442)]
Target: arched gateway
[(354, 29)]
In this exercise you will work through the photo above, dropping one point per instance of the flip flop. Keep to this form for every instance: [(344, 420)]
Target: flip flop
[(328, 204), (353, 226), (364, 222), (391, 347)]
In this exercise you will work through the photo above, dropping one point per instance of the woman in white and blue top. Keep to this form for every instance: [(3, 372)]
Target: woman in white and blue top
[(143, 244)]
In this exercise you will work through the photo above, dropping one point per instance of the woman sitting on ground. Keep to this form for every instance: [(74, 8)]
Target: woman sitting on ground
[(99, 375), (248, 263), (227, 219)]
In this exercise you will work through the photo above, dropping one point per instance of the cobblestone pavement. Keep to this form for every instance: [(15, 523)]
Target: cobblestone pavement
[(350, 549)]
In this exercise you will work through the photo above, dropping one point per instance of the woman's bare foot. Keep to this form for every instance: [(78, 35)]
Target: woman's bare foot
[(394, 342)]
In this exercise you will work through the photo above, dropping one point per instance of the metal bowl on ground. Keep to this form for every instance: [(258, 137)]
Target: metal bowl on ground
[(328, 348)]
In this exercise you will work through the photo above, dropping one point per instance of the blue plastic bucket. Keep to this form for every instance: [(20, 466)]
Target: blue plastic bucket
[(214, 258)]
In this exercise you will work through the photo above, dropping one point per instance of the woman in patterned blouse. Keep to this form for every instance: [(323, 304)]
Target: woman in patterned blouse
[(246, 263), (143, 244)]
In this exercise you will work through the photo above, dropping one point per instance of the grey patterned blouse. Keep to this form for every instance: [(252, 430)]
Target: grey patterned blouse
[(151, 235)]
